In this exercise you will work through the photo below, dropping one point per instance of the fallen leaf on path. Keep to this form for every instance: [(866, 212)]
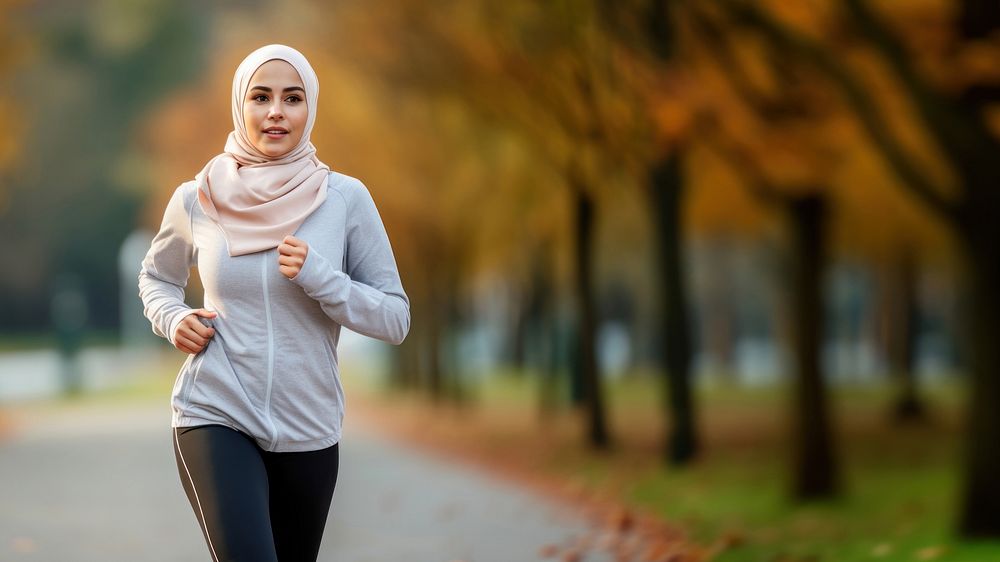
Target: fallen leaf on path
[(732, 539), (657, 551), (608, 541), (548, 551), (584, 542), (930, 553), (882, 549), (23, 544), (620, 520)]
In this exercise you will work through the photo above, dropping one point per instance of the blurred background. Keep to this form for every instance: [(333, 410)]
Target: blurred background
[(729, 265)]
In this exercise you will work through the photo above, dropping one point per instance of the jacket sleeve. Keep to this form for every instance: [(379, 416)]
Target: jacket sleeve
[(368, 297), (166, 268)]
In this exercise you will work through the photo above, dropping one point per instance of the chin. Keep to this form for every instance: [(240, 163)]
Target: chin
[(274, 151)]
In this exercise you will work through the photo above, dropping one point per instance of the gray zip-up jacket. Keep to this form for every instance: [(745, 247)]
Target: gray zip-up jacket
[(271, 369)]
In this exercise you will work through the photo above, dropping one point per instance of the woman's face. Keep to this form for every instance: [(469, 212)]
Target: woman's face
[(274, 110)]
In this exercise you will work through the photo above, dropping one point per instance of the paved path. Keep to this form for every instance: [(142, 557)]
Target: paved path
[(85, 484)]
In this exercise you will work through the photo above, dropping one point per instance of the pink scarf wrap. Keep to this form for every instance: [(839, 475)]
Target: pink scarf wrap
[(257, 199)]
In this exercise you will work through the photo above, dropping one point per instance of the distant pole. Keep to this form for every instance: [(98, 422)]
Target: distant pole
[(68, 310), (135, 329)]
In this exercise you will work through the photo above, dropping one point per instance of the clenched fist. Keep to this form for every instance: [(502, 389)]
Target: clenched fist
[(192, 336), (291, 255)]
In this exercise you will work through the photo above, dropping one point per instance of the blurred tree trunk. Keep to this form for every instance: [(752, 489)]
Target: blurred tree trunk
[(588, 373), (666, 194), (720, 313), (515, 347), (531, 325), (656, 35), (545, 331), (815, 463), (519, 328), (436, 325), (420, 359), (805, 206), (451, 386), (979, 224), (981, 494), (956, 122), (413, 352), (900, 297), (406, 368), (814, 467)]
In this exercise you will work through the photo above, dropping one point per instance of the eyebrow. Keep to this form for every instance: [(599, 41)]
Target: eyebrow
[(288, 89)]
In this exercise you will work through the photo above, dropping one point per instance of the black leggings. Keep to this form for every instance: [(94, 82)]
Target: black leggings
[(252, 504)]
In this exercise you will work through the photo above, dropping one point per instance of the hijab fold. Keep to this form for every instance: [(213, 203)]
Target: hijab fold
[(258, 199)]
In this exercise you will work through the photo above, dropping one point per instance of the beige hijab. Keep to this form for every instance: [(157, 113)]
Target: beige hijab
[(257, 199)]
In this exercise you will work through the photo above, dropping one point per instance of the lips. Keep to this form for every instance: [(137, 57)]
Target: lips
[(276, 132)]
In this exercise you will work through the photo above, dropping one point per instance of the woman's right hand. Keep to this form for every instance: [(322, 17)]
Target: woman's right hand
[(192, 336)]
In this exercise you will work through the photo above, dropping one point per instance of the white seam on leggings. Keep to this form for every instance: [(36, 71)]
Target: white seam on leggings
[(201, 520)]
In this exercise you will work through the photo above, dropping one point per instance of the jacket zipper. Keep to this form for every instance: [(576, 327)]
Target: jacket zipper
[(270, 350)]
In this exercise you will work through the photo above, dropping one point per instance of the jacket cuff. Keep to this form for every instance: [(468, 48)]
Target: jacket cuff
[(316, 274)]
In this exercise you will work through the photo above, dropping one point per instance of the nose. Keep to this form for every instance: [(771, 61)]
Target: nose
[(274, 112)]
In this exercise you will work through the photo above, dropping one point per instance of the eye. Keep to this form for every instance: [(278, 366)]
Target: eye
[(293, 99), (259, 97)]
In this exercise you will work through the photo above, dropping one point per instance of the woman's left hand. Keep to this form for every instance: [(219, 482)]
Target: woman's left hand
[(291, 255)]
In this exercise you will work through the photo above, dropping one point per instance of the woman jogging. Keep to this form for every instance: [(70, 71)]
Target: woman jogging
[(288, 252)]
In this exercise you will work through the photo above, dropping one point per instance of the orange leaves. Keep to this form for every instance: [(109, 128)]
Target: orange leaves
[(978, 62), (10, 146), (808, 16), (465, 119), (778, 121), (672, 119), (15, 50)]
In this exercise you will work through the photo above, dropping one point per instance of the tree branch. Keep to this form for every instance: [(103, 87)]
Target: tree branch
[(720, 48), (948, 127), (981, 95), (762, 188), (856, 96)]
